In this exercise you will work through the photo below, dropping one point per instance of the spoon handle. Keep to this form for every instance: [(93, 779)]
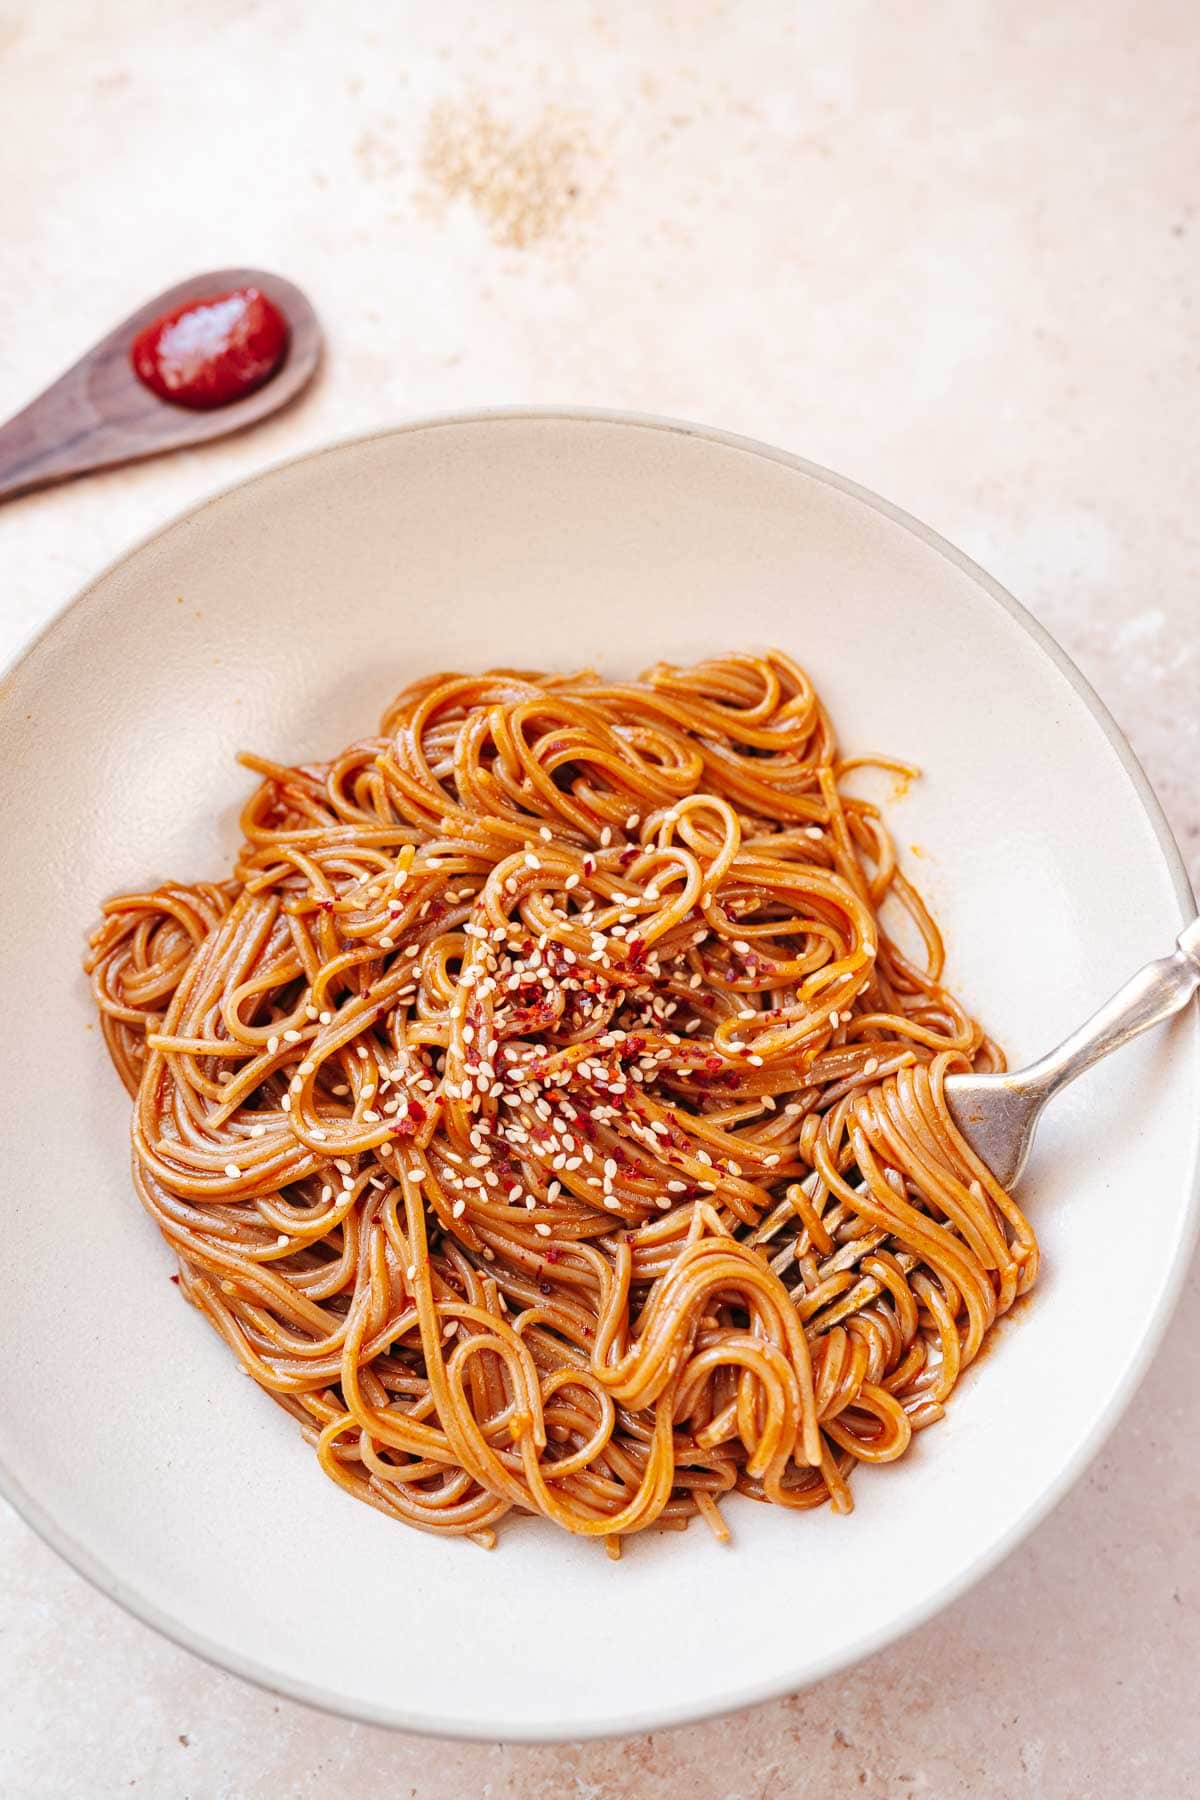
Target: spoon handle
[(56, 436), (1157, 991)]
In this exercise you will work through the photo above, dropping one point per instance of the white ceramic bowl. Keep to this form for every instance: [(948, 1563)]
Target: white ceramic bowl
[(281, 615)]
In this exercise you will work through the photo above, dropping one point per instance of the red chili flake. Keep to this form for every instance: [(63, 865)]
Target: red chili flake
[(553, 1254), (175, 1279), (325, 905), (628, 856)]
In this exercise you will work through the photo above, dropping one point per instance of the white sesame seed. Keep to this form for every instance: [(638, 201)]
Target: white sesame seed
[(272, 1045), (458, 1209), (257, 1131), (544, 831), (233, 1171), (870, 1066), (292, 1037)]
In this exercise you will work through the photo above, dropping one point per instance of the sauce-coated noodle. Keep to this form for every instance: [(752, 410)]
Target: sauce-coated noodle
[(545, 1119)]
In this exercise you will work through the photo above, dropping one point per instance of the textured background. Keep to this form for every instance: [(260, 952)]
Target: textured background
[(948, 249)]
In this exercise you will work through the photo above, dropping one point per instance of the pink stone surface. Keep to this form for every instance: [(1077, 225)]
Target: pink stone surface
[(949, 250)]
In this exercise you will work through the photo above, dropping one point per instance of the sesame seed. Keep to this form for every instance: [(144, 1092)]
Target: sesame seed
[(545, 832), (292, 1037), (233, 1171), (257, 1131), (542, 1230), (272, 1045), (458, 1209), (741, 946), (870, 1066)]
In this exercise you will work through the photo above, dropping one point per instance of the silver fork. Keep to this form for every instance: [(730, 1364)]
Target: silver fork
[(998, 1114)]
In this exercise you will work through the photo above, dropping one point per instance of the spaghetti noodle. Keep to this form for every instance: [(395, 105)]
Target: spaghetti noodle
[(546, 1120)]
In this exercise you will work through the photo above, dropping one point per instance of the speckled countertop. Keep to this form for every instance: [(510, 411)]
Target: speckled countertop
[(948, 249)]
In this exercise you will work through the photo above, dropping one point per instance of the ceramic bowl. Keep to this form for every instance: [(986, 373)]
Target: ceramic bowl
[(281, 615)]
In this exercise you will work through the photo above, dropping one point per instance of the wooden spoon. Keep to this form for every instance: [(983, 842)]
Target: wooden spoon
[(99, 414)]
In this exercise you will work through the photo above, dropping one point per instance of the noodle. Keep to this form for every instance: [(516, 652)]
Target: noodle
[(544, 1117)]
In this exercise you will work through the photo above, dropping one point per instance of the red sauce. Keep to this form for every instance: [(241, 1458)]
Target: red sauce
[(212, 351)]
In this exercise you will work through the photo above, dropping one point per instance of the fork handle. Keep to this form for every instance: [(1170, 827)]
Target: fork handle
[(1147, 998)]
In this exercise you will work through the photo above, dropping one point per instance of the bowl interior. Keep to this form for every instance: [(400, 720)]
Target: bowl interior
[(281, 616)]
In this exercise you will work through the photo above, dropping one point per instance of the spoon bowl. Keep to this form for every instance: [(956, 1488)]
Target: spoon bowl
[(98, 414)]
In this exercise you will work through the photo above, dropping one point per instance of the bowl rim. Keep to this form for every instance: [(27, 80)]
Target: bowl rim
[(94, 1570)]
